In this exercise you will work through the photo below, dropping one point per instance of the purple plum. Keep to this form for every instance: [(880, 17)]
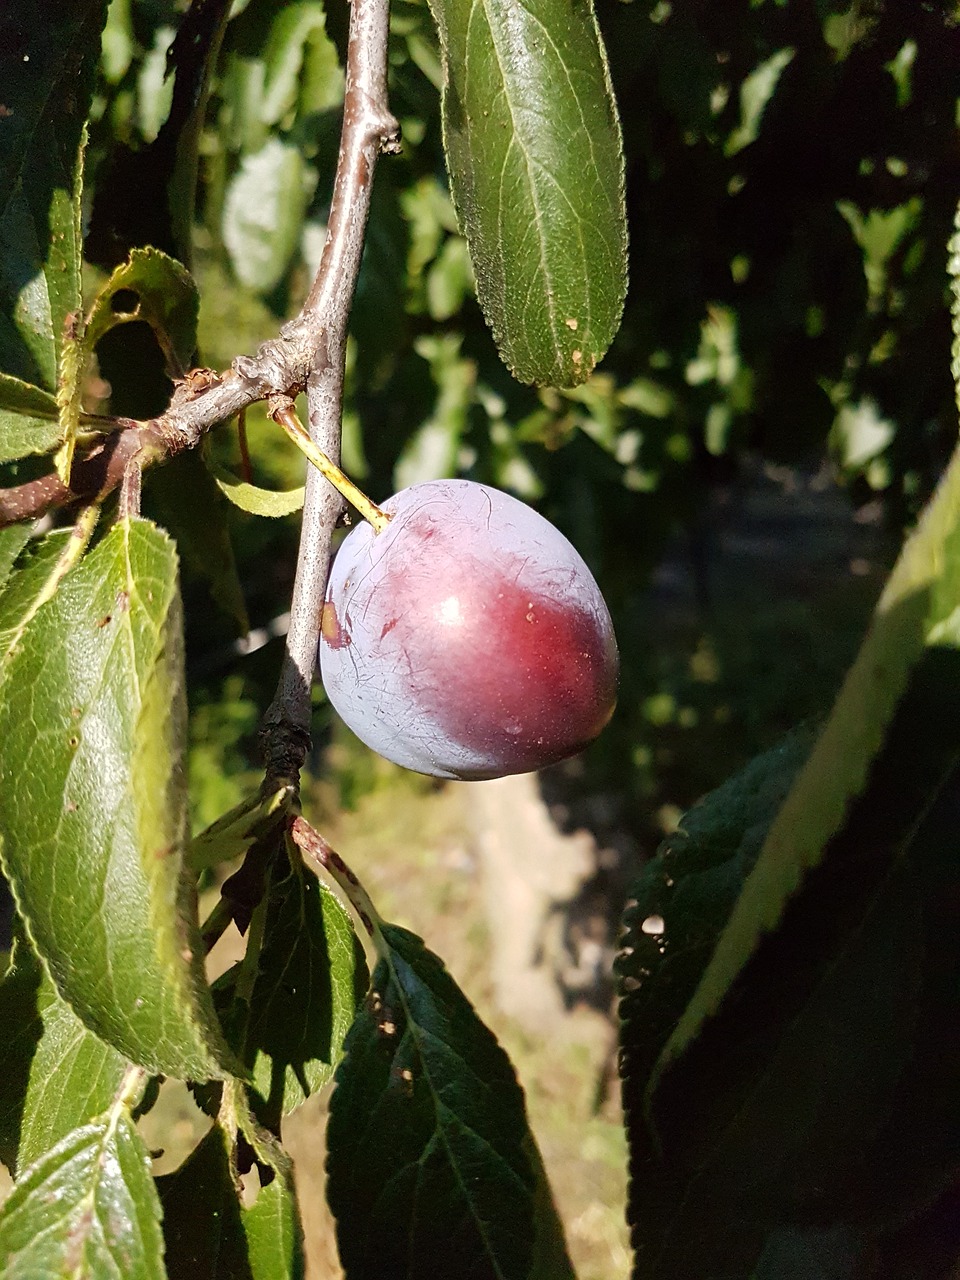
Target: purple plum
[(467, 639)]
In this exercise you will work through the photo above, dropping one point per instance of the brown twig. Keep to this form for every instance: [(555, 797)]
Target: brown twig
[(308, 354)]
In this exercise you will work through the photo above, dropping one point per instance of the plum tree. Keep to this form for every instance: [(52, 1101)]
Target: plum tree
[(467, 638)]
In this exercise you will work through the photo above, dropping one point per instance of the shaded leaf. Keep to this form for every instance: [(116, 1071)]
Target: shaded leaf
[(836, 1254), (29, 421), (153, 288), (209, 1233), (147, 197), (428, 1165), (86, 1209), (93, 803), (311, 980), (55, 1075), (47, 86), (822, 1089), (920, 606), (232, 835), (683, 899), (13, 539), (536, 168)]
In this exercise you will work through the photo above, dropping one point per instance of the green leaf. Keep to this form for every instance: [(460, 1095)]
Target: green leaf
[(263, 213), (13, 539), (248, 497), (432, 450), (755, 92), (190, 507), (208, 1232), (29, 421), (26, 589), (87, 1209), (536, 168), (55, 1075), (47, 88), (428, 1161), (682, 900), (93, 803), (155, 289), (147, 196), (311, 980), (836, 1254), (298, 32)]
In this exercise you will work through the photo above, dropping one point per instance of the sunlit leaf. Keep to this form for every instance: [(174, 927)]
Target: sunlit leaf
[(263, 213), (536, 169), (155, 289), (249, 497), (86, 1209), (93, 803), (29, 420), (55, 1075)]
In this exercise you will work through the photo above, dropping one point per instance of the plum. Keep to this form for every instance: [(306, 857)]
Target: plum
[(467, 639)]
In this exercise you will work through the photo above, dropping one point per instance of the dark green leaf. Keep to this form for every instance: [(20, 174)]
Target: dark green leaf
[(147, 197), (310, 983), (917, 609), (48, 75), (428, 1167), (536, 168), (87, 1209), (93, 803), (836, 1254), (683, 899), (29, 421), (834, 1062), (55, 1075), (209, 1234), (155, 289)]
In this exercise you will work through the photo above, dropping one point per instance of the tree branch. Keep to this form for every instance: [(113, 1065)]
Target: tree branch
[(308, 354)]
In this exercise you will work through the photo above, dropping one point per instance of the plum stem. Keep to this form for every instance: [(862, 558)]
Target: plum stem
[(286, 416)]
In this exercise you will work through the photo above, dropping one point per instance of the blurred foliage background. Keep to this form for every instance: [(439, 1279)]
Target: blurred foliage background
[(791, 170)]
